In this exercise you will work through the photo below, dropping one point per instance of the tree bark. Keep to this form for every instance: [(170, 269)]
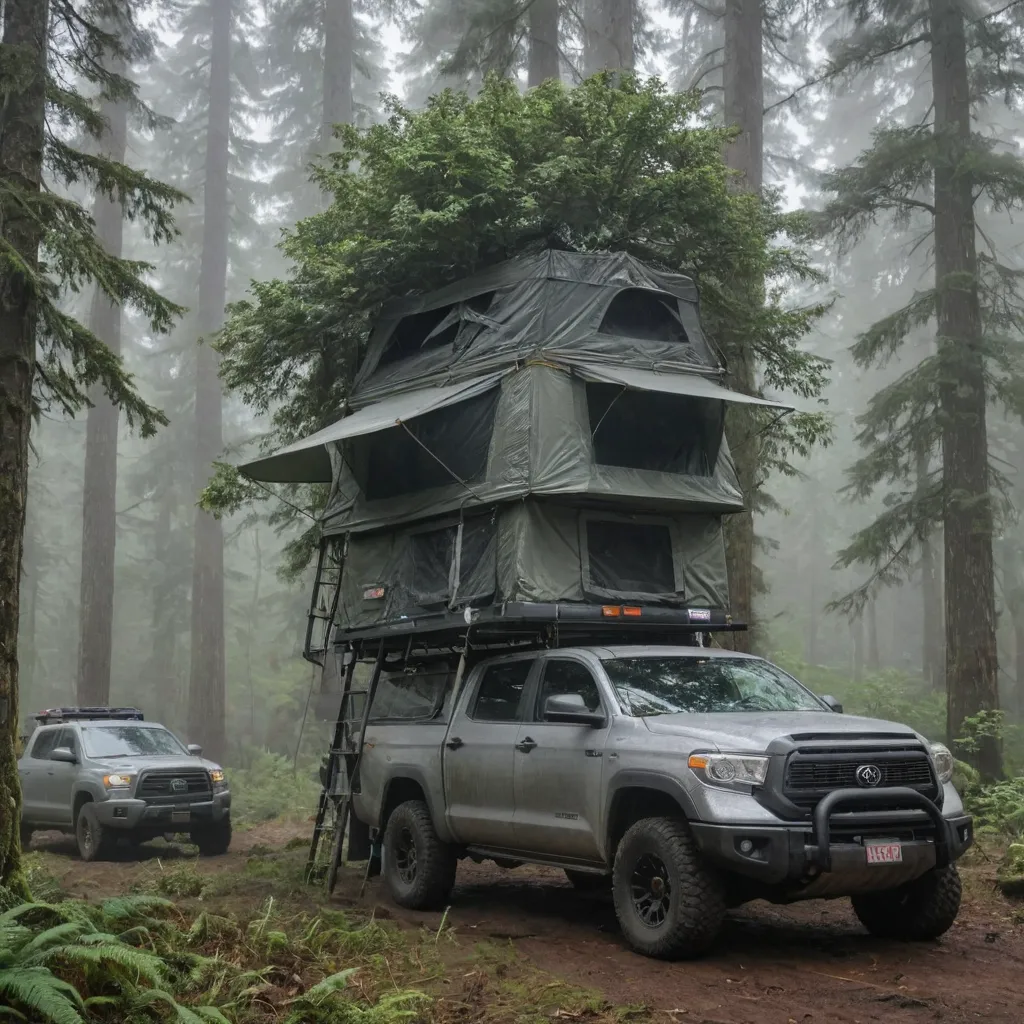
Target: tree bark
[(971, 659), (608, 36), (1018, 639), (543, 30), (206, 698), (932, 656), (99, 513), (339, 44), (163, 660), (22, 119), (743, 105)]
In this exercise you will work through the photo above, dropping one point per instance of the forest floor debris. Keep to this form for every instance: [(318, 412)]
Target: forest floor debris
[(523, 945)]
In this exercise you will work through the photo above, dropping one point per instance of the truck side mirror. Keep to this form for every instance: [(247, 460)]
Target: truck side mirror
[(195, 750), (833, 704), (65, 754), (571, 709)]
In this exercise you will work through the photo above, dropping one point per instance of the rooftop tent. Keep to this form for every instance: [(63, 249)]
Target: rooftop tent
[(566, 306), (309, 461)]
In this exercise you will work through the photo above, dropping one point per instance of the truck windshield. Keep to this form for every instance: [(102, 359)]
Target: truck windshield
[(666, 686), (129, 741)]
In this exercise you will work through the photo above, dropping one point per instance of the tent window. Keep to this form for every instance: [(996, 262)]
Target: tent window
[(419, 332), (648, 315), (655, 431), (630, 558), (434, 450), (429, 563)]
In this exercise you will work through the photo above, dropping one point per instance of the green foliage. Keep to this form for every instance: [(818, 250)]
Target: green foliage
[(271, 789), (628, 168), (69, 963), (88, 42)]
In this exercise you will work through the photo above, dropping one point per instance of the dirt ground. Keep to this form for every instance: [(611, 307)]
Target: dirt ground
[(808, 964)]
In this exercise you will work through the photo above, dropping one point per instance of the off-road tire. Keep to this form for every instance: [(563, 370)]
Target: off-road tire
[(584, 881), (916, 912), (25, 834), (419, 869), (95, 840), (212, 840), (692, 901)]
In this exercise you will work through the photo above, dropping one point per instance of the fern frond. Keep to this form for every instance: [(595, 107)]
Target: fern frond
[(329, 986), (142, 966), (41, 994)]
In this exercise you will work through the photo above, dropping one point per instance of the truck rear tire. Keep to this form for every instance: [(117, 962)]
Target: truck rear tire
[(95, 840), (920, 910), (419, 869), (670, 905)]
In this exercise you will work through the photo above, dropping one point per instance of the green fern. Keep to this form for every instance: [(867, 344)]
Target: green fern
[(329, 986), (35, 991)]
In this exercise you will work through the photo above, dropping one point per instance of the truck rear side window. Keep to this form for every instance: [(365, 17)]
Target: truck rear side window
[(411, 696), (501, 692)]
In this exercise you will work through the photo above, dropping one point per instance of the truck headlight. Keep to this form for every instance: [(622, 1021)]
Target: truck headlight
[(943, 761), (729, 771), (217, 778), (117, 781)]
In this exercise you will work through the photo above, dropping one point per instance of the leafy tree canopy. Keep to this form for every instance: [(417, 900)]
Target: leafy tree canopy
[(427, 198)]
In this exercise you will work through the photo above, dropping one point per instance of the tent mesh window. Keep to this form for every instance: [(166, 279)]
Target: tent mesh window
[(420, 332), (438, 449), (647, 315), (430, 568), (630, 558), (655, 431)]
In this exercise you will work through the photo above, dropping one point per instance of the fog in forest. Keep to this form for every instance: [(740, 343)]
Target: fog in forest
[(242, 91)]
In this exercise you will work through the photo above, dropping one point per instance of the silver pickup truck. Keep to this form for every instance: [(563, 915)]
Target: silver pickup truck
[(686, 780)]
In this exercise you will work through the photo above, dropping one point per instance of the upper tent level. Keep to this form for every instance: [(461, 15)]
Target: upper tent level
[(573, 307)]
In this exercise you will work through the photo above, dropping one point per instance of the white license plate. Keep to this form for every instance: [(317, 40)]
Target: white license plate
[(177, 816), (884, 853)]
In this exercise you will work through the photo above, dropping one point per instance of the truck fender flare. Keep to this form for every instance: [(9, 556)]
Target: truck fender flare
[(90, 790), (637, 778), (417, 775)]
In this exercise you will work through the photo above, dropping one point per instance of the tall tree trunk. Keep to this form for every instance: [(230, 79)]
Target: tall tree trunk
[(99, 513), (874, 657), (22, 119), (31, 568), (971, 659), (163, 662), (743, 106), (206, 697), (1018, 639), (339, 44), (608, 36), (857, 628), (932, 657), (543, 30)]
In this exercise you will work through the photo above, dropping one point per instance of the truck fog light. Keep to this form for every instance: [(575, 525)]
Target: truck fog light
[(746, 846)]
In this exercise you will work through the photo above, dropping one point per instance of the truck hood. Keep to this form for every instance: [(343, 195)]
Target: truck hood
[(753, 731), (134, 765)]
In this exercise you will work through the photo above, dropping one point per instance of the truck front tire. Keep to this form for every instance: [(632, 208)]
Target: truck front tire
[(920, 910), (670, 905), (212, 840), (95, 840), (419, 869)]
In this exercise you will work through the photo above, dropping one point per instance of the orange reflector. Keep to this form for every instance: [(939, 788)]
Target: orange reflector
[(611, 611), (696, 761), (633, 613)]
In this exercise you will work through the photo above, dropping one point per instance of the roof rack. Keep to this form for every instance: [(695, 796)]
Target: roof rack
[(525, 625), (52, 715)]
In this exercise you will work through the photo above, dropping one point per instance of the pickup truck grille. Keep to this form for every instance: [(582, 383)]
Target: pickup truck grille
[(811, 775), (167, 786)]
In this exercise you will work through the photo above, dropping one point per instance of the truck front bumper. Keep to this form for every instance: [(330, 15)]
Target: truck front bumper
[(827, 857), (136, 815)]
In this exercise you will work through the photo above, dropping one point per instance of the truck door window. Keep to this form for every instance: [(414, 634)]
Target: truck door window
[(404, 696), (45, 742), (563, 677), (501, 692)]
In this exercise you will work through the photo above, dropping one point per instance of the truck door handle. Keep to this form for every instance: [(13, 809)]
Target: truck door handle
[(454, 743), (526, 746)]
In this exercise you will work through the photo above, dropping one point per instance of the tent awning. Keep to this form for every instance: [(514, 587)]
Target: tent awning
[(308, 461), (669, 383)]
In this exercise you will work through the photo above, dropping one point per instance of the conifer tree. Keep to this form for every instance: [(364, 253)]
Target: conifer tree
[(48, 243), (937, 174)]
